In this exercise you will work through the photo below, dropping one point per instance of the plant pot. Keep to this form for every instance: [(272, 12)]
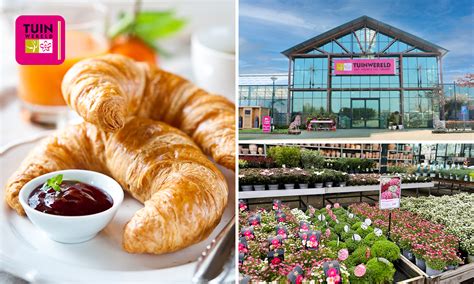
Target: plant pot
[(318, 185), (245, 151), (420, 263), (253, 149), (289, 186), (425, 174), (273, 187), (303, 185), (417, 174), (452, 267), (342, 183), (247, 188), (408, 254), (432, 175), (432, 272), (470, 259), (328, 184), (260, 150), (259, 187)]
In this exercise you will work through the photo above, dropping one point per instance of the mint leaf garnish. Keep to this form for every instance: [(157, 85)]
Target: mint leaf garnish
[(53, 183)]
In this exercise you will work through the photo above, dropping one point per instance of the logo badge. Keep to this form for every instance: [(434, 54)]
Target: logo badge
[(40, 40)]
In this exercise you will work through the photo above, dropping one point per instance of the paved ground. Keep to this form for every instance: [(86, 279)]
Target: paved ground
[(364, 134)]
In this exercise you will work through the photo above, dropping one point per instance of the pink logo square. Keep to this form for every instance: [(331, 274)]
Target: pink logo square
[(40, 40)]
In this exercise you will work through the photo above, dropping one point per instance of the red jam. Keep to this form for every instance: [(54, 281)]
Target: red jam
[(74, 199)]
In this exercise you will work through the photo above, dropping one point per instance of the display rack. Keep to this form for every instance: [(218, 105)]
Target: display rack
[(323, 190), (400, 154)]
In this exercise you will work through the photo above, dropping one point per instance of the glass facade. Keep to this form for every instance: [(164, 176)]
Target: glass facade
[(262, 95), (410, 91), (366, 101)]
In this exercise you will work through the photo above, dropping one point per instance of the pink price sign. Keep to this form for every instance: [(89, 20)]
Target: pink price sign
[(364, 67), (266, 124)]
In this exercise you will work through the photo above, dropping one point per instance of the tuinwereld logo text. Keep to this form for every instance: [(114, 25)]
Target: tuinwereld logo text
[(40, 39)]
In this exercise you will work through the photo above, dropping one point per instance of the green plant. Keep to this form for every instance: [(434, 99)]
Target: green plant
[(436, 264), (363, 233), (317, 176), (380, 272), (311, 159), (285, 156), (336, 245), (360, 255), (371, 238), (352, 245), (242, 164), (386, 249)]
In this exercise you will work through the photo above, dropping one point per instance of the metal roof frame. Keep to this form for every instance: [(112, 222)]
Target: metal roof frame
[(361, 22)]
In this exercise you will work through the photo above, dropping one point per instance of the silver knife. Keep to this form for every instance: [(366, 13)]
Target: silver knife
[(211, 264)]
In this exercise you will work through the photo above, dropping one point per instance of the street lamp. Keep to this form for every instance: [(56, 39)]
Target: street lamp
[(273, 78)]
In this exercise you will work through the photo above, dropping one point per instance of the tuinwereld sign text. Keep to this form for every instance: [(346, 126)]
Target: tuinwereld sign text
[(364, 67)]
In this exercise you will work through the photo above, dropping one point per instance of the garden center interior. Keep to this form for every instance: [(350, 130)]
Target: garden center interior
[(304, 205), (410, 95)]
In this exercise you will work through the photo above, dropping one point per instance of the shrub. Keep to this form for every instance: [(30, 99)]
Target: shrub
[(360, 255), (363, 233), (285, 155), (371, 238), (386, 249), (333, 244), (351, 244), (380, 272), (339, 228), (311, 159)]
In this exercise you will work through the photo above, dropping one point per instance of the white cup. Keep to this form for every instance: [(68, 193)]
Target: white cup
[(213, 59)]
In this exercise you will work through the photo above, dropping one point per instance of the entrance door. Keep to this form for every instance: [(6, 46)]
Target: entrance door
[(365, 113)]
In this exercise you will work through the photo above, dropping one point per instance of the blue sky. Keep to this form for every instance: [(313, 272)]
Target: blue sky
[(270, 26)]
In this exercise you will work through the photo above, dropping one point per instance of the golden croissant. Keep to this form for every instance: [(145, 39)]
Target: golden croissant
[(184, 194), (105, 90)]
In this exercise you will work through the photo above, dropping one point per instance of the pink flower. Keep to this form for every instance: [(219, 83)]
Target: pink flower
[(332, 272), (336, 205), (255, 222), (343, 254), (328, 233), (299, 279), (276, 261), (328, 206), (281, 219), (275, 242), (360, 270), (386, 195)]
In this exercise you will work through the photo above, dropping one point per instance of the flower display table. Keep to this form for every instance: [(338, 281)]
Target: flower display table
[(321, 124), (323, 190)]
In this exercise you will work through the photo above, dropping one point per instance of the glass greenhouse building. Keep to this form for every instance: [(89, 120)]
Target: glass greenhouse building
[(347, 71)]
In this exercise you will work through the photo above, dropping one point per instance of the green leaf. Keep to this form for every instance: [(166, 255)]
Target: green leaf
[(53, 183), (148, 25)]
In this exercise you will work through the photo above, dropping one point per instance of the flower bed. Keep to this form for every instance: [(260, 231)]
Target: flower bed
[(429, 242), (319, 246), (456, 212)]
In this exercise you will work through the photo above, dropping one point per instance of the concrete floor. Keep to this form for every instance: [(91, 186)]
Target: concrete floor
[(364, 134)]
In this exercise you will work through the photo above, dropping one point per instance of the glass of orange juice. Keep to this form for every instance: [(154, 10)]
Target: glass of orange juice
[(39, 86)]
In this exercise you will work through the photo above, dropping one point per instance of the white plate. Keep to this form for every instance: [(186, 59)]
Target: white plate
[(29, 254)]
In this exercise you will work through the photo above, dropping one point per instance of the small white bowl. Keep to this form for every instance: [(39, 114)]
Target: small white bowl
[(73, 229)]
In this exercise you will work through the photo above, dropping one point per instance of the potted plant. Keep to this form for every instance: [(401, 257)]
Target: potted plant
[(328, 177), (317, 178), (302, 178), (287, 179), (419, 251), (435, 264), (273, 179), (246, 181), (259, 181)]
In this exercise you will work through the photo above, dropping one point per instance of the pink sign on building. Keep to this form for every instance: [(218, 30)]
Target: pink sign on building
[(266, 124), (364, 66)]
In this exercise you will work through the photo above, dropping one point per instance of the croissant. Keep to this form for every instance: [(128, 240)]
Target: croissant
[(184, 194), (105, 90)]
